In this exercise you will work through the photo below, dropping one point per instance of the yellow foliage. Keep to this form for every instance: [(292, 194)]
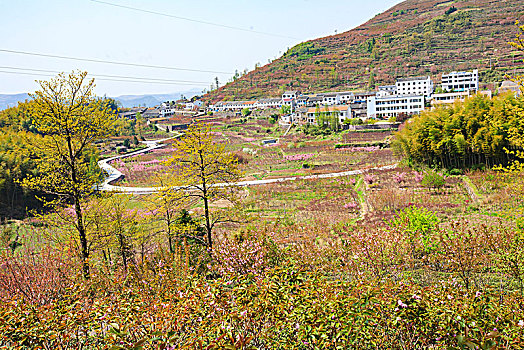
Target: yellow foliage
[(202, 171), (70, 117)]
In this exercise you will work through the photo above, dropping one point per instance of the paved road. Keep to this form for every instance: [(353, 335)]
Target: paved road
[(149, 190), (113, 174)]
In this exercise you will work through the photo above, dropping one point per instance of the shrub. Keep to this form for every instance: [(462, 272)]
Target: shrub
[(370, 179), (419, 225), (399, 177), (241, 158), (456, 172), (433, 180)]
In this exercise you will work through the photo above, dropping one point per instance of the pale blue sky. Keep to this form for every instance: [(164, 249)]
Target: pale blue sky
[(87, 29)]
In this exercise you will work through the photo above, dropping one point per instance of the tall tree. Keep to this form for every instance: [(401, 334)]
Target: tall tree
[(203, 172), (70, 116)]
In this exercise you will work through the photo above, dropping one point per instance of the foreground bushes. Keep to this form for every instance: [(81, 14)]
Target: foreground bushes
[(288, 308), (414, 282), (328, 293)]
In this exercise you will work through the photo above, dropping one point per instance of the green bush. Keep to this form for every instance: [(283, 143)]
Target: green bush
[(433, 179), (418, 224)]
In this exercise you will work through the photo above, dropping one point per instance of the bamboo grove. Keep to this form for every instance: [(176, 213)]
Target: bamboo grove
[(477, 132)]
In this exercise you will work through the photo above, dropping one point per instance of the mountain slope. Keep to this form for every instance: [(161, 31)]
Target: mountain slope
[(153, 99), (11, 100), (415, 37)]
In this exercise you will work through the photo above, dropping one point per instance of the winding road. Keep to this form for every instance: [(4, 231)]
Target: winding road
[(113, 174)]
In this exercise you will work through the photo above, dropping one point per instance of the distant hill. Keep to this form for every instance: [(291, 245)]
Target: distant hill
[(153, 99), (415, 37), (11, 100)]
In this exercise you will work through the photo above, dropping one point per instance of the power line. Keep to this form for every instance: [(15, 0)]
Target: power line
[(111, 62), (193, 20), (105, 79), (111, 76)]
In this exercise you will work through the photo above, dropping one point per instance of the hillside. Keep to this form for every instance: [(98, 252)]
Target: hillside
[(415, 37), (11, 100)]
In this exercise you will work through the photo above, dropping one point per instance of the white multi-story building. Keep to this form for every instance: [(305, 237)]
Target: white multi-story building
[(167, 110), (461, 81), (382, 107), (414, 86)]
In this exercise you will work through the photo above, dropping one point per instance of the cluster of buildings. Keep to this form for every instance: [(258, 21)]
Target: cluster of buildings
[(407, 96)]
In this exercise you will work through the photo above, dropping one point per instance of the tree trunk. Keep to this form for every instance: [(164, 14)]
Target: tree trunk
[(84, 249), (208, 223), (123, 250)]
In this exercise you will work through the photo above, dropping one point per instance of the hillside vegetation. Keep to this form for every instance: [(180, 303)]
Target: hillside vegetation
[(415, 37)]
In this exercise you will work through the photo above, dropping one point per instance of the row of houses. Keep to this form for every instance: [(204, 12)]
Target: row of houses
[(293, 99), (145, 112)]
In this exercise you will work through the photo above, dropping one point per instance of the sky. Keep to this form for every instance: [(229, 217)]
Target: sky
[(197, 39)]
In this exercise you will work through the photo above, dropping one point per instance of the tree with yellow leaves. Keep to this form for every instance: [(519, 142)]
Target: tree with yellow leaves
[(519, 45), (70, 117), (203, 172)]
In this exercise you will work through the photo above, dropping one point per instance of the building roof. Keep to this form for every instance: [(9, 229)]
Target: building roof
[(508, 84), (395, 97), (457, 93), (291, 92), (413, 78), (461, 72), (365, 93)]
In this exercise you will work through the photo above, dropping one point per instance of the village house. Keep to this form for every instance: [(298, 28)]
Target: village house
[(451, 97), (331, 99), (302, 101), (510, 86), (310, 115), (315, 101), (345, 97), (388, 89), (151, 113), (269, 103), (289, 97)]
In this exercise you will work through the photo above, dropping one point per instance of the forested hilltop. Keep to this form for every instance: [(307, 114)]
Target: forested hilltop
[(415, 37)]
